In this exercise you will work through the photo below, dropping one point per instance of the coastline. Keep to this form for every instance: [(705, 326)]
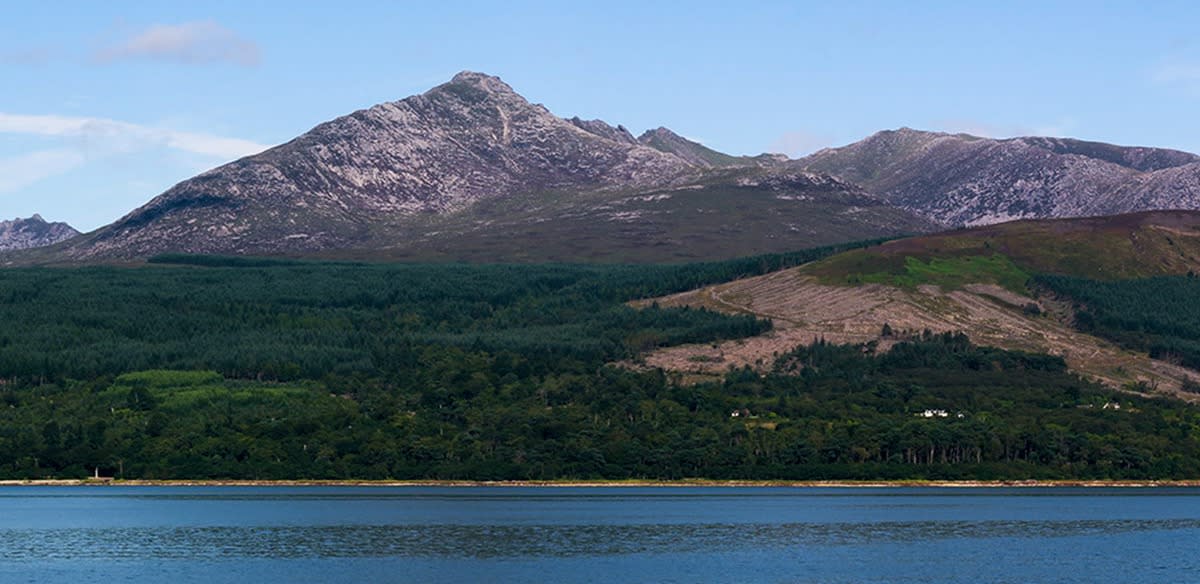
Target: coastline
[(1032, 483)]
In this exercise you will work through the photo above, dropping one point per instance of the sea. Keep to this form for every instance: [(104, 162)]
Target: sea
[(267, 535)]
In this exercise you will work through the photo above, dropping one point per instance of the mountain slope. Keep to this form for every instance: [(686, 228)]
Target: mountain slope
[(721, 215), (972, 281), (697, 154), (470, 139), (966, 180), (471, 170), (19, 234), (1137, 245)]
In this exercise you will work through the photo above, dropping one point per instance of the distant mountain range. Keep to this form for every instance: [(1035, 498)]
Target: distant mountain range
[(19, 234), (957, 179), (471, 170)]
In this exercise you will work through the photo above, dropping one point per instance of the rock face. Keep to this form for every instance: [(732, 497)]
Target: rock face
[(957, 179), (473, 156), (33, 232), (695, 153), (442, 151)]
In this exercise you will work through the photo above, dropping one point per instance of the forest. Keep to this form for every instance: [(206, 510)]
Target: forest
[(1157, 315), (239, 368), (933, 408)]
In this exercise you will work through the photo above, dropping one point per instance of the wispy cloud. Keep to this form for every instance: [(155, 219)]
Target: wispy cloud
[(124, 136), (197, 42), (19, 172), (96, 138)]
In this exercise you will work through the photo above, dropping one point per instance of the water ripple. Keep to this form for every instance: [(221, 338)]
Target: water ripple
[(501, 541)]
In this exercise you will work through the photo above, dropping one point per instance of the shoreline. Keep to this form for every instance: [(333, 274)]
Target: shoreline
[(1032, 483)]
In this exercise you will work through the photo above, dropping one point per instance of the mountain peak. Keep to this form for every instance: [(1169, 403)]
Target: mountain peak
[(469, 158), (604, 130), (32, 232), (659, 132), (467, 141), (489, 83), (960, 179), (665, 140)]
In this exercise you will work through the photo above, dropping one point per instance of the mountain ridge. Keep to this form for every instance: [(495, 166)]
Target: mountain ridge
[(472, 170), (33, 232), (959, 179)]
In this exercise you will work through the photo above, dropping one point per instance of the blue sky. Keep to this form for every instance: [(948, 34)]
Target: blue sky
[(106, 104)]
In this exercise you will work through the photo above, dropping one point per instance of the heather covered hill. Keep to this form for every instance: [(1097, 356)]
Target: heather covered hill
[(1065, 287), (1137, 245)]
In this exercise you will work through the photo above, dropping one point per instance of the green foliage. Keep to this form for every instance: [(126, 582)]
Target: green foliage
[(1157, 315), (949, 272), (168, 378), (314, 370), (285, 320), (292, 322), (220, 261), (827, 412)]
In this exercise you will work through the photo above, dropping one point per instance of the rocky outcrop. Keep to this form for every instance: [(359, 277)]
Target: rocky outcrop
[(462, 142), (17, 234), (470, 169), (697, 154), (957, 179)]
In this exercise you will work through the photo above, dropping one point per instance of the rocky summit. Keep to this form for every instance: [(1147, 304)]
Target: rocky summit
[(18, 234), (471, 169), (958, 179)]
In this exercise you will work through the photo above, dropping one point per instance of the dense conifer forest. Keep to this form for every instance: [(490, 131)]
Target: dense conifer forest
[(1158, 315), (204, 367)]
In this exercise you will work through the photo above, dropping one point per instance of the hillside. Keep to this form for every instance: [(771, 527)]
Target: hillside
[(729, 214), (976, 281), (958, 179), (472, 170), (1136, 245), (205, 367), (697, 154), (19, 234)]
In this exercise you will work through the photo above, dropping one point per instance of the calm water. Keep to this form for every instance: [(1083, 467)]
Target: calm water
[(269, 535)]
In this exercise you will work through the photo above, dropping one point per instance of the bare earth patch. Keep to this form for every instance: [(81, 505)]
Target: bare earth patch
[(804, 310)]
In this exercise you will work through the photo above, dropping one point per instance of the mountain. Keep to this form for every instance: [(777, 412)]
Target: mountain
[(1135, 245), (720, 215), (697, 154), (18, 234), (471, 170), (958, 179), (988, 283)]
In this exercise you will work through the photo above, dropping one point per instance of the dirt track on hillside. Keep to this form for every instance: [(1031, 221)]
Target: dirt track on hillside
[(804, 310)]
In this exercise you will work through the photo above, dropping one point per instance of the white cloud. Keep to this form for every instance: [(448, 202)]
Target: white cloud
[(123, 136), (21, 171), (196, 42), (95, 138)]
